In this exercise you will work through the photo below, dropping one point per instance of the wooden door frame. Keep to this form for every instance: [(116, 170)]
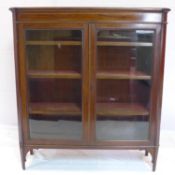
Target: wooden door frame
[(154, 118), (23, 88)]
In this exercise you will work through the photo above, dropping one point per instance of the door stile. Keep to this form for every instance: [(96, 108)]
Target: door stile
[(85, 84), (92, 84)]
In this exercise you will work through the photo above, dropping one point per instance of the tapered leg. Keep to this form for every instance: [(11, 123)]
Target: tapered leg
[(154, 153), (155, 158), (24, 150), (146, 152), (31, 151), (23, 157)]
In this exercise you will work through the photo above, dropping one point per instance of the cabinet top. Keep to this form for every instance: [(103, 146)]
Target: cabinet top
[(62, 14), (89, 9)]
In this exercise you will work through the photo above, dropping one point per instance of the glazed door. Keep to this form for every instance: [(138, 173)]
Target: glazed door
[(56, 101), (123, 61)]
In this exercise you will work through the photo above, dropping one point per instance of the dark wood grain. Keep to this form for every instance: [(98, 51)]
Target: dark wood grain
[(82, 14)]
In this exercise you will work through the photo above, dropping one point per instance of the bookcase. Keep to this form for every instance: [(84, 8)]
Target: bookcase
[(89, 78)]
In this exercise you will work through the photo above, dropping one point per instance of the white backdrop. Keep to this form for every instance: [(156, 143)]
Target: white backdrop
[(8, 109)]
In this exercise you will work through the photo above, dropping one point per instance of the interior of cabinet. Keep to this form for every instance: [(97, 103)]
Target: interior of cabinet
[(54, 66), (123, 64), (123, 78), (51, 78)]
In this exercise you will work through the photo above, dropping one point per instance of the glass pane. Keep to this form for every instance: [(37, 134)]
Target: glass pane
[(53, 35), (118, 129), (55, 127), (55, 83), (124, 73), (126, 35), (50, 50)]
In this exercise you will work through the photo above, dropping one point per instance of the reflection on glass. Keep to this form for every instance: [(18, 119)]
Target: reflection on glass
[(58, 50), (124, 69), (53, 35), (54, 78), (55, 127), (118, 129), (126, 35)]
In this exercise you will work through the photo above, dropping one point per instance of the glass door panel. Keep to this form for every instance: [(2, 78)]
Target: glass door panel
[(123, 75), (54, 70)]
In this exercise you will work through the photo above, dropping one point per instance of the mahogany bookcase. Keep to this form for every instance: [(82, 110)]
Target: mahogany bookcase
[(89, 78)]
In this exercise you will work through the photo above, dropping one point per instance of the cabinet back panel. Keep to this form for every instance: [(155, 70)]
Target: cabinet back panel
[(54, 58), (52, 90), (113, 58), (123, 91), (72, 58)]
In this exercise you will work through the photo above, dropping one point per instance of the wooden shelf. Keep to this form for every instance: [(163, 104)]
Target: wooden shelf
[(55, 74), (120, 109), (123, 75), (68, 109), (123, 43), (99, 43), (58, 43)]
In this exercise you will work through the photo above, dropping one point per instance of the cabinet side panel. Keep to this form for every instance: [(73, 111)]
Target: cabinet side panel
[(18, 93), (23, 151), (161, 72)]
